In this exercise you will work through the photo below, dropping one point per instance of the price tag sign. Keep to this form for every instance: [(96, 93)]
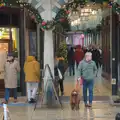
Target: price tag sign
[(113, 82)]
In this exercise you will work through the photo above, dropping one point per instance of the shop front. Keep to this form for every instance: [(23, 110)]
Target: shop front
[(15, 31), (6, 47)]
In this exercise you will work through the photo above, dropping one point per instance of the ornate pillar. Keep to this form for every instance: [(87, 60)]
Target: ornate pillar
[(48, 37), (48, 49)]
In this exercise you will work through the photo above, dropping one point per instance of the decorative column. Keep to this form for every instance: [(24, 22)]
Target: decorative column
[(48, 37), (48, 52)]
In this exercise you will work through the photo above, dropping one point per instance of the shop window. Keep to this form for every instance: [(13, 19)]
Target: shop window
[(4, 33), (32, 42), (4, 46), (5, 19), (15, 20)]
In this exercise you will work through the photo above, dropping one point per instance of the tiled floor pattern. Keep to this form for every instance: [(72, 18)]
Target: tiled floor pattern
[(100, 111), (99, 88)]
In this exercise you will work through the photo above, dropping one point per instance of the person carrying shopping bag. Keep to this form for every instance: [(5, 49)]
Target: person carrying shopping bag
[(87, 71), (32, 77)]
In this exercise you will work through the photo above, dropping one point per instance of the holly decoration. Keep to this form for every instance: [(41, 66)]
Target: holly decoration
[(61, 16), (114, 6)]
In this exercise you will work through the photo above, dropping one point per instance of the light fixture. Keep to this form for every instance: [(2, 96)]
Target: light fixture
[(94, 12), (82, 14), (7, 30), (0, 33)]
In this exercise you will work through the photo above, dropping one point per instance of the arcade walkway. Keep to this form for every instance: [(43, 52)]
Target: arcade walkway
[(100, 111), (100, 88)]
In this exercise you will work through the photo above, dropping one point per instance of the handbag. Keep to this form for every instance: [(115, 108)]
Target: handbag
[(60, 74), (79, 83)]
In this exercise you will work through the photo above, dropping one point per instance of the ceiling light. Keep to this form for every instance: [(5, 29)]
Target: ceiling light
[(94, 12)]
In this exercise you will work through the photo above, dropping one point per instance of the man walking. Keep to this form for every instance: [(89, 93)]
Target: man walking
[(87, 71)]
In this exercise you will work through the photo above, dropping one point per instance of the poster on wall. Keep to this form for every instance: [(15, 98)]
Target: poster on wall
[(78, 40), (32, 43)]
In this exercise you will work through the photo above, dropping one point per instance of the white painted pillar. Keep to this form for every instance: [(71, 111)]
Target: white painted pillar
[(48, 47), (48, 37)]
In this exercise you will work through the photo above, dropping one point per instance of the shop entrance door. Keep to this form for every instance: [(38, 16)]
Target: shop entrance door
[(4, 47)]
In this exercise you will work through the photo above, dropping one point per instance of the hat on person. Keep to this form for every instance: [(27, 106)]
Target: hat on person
[(10, 54), (88, 54)]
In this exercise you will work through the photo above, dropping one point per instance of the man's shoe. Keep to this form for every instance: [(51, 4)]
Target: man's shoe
[(62, 93), (15, 100), (5, 102), (90, 105), (86, 105), (32, 100)]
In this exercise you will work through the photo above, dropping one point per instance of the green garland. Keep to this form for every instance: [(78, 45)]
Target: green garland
[(45, 25), (115, 6), (61, 16)]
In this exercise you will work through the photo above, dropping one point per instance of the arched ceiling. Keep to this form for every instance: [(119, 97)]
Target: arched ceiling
[(57, 4)]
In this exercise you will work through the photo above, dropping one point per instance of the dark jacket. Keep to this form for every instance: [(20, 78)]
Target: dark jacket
[(70, 57), (61, 67), (56, 71)]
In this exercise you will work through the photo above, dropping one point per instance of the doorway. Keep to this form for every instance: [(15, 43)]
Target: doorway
[(4, 47)]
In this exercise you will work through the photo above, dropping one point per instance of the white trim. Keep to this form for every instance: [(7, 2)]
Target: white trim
[(57, 4), (38, 5), (29, 1)]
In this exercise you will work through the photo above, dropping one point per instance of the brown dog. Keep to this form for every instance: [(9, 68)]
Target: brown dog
[(75, 99)]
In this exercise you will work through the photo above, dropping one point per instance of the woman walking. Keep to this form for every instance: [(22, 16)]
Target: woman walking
[(12, 67), (32, 77)]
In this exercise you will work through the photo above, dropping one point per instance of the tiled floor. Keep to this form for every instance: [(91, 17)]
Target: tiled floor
[(99, 88), (100, 111)]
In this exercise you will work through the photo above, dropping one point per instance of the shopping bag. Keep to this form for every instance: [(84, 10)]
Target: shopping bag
[(80, 81), (77, 85), (60, 74)]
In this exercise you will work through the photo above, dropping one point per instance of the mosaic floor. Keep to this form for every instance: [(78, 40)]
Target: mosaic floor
[(100, 111), (99, 88)]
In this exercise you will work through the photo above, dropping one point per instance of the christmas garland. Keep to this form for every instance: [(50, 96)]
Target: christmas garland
[(61, 16), (45, 25), (115, 6)]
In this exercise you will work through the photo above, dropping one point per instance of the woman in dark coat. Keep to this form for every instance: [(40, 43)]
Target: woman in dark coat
[(62, 70)]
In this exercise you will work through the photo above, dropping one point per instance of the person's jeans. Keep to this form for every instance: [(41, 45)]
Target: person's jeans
[(61, 86), (7, 93), (88, 85), (71, 69)]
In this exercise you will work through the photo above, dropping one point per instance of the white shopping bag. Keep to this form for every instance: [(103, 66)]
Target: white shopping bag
[(60, 75)]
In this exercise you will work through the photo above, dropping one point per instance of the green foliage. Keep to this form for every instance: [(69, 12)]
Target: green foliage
[(62, 51)]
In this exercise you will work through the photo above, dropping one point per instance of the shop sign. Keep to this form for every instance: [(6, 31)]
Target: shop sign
[(113, 82)]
